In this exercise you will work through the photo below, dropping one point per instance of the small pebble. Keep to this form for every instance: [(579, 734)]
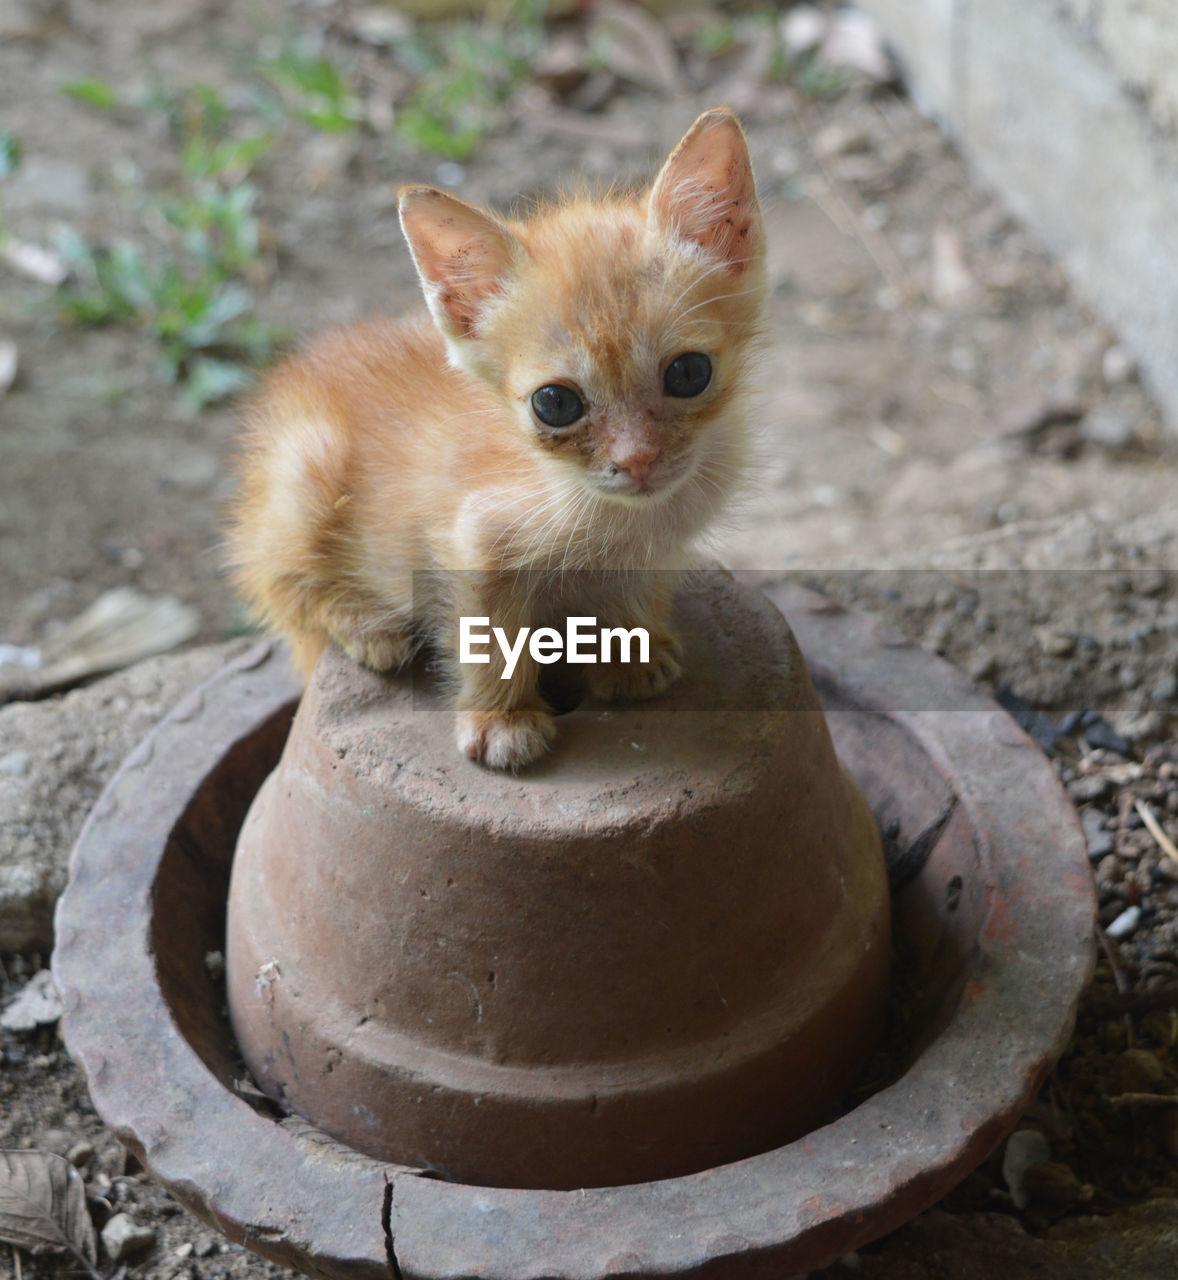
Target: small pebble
[(183, 1250), (1055, 1184), (1165, 689), (1087, 790), (14, 764), (1109, 870), (1117, 366), (1108, 427), (1099, 733), (1139, 1071), (1112, 1033), (80, 1154), (1054, 644), (1072, 720), (983, 667), (1100, 839), (123, 1236), (1125, 923), (1024, 1149), (58, 1141)]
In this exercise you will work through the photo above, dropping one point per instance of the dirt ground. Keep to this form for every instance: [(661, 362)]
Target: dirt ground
[(949, 436)]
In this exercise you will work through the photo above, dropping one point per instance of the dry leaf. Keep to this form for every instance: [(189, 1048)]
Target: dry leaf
[(37, 1004), (635, 46), (122, 626), (856, 42), (952, 280), (43, 1206), (562, 64), (803, 29), (379, 25), (33, 261)]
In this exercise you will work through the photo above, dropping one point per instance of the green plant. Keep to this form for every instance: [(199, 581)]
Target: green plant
[(95, 93), (818, 79), (312, 86), (718, 37), (198, 110), (200, 319), (9, 160), (188, 279), (467, 71), (9, 153), (190, 288)]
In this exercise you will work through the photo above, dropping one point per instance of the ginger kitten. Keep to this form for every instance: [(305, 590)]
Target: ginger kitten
[(547, 442)]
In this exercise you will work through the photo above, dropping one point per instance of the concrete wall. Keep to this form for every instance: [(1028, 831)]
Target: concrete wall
[(1069, 108)]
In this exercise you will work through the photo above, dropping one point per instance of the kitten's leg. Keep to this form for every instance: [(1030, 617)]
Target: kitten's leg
[(312, 614), (633, 681), (501, 723), (368, 635)]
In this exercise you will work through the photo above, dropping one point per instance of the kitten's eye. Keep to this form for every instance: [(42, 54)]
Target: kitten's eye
[(687, 375), (556, 405)]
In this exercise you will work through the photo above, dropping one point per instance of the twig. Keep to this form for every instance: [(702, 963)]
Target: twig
[(1162, 997), (1155, 829), (1144, 1100), (16, 1262), (83, 1262), (1118, 978), (1061, 1109), (851, 208), (877, 247)]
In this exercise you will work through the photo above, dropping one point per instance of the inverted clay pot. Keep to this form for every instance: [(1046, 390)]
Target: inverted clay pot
[(665, 948)]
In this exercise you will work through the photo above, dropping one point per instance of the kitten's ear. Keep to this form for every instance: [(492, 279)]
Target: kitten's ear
[(705, 192), (462, 255)]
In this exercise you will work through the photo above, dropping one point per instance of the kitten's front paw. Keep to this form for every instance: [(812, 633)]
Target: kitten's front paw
[(378, 650), (505, 739), (635, 681)]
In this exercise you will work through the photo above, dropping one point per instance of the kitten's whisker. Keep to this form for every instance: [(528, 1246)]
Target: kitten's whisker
[(468, 413), (695, 282), (585, 508), (723, 297), (557, 503)]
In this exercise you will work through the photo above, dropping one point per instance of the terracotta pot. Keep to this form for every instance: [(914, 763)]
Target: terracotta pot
[(663, 949)]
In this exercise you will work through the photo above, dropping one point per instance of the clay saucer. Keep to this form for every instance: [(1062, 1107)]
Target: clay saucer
[(993, 914)]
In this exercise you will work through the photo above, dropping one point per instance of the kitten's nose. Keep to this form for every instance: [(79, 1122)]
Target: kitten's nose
[(637, 469), (636, 457)]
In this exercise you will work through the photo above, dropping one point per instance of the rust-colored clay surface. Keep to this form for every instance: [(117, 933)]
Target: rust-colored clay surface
[(665, 949), (996, 924)]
